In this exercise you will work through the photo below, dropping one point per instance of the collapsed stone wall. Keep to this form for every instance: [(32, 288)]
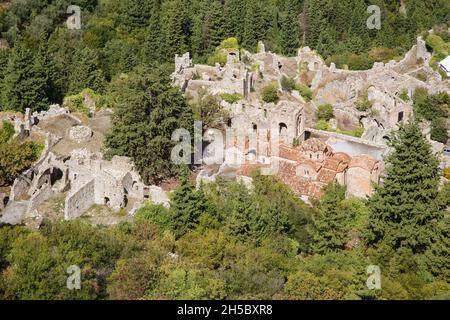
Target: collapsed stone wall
[(80, 200)]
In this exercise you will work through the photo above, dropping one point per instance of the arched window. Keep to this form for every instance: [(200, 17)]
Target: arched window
[(283, 127)]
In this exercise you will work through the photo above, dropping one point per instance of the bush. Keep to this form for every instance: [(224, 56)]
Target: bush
[(287, 83), (75, 103), (363, 103), (219, 57), (325, 112), (6, 131), (155, 214), (382, 54), (351, 61), (270, 93), (404, 95), (439, 130), (305, 92), (230, 43), (322, 125), (447, 173), (231, 97)]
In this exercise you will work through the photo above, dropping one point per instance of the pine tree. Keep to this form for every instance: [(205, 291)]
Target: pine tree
[(290, 29), (25, 84), (147, 112), (404, 209), (174, 25), (86, 72), (330, 229), (187, 205)]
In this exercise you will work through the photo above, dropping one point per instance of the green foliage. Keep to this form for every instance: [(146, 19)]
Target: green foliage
[(330, 223), (325, 112), (404, 95), (434, 108), (351, 61), (363, 104), (288, 84), (404, 210), (86, 72), (230, 43), (15, 157), (25, 83), (270, 93), (147, 111), (208, 110), (218, 57), (187, 205), (155, 214), (304, 91), (6, 131), (231, 97), (439, 130), (75, 103)]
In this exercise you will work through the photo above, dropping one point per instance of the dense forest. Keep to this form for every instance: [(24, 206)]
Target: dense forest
[(47, 62), (222, 241)]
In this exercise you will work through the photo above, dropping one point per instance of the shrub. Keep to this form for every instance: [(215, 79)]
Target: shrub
[(155, 214), (351, 61), (6, 131), (363, 103), (322, 125), (439, 130), (270, 93), (447, 173), (229, 43), (382, 54), (287, 83), (219, 57), (421, 76), (404, 95), (75, 103), (325, 112), (231, 97), (305, 92)]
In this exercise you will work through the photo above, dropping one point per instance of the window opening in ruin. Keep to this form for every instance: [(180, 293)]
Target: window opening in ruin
[(400, 116), (106, 200), (229, 123), (55, 176), (265, 113), (255, 127), (283, 127)]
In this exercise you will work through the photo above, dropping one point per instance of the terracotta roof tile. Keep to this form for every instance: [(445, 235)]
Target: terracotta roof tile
[(363, 161), (326, 176), (314, 145)]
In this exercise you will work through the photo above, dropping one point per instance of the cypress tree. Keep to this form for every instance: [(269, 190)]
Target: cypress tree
[(25, 84), (329, 225), (404, 209), (86, 72), (187, 205), (290, 29)]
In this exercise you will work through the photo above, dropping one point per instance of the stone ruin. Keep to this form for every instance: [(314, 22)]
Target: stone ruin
[(293, 118), (80, 133), (87, 179)]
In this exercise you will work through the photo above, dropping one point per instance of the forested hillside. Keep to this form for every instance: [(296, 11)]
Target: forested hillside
[(225, 241), (47, 61)]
